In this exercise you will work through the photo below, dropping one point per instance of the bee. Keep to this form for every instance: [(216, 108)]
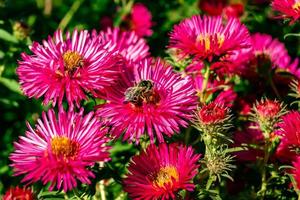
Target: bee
[(143, 91)]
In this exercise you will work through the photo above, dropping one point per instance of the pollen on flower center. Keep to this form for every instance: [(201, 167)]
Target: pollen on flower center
[(72, 60), (63, 146), (207, 40), (296, 6), (166, 175)]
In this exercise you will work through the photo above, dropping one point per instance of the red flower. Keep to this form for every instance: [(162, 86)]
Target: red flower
[(296, 172), (268, 109), (289, 132), (160, 172), (212, 113), (212, 7), (234, 10), (16, 193), (288, 8)]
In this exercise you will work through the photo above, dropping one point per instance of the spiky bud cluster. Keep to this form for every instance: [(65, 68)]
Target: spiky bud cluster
[(295, 87), (267, 114), (219, 163), (19, 193), (213, 120), (20, 30)]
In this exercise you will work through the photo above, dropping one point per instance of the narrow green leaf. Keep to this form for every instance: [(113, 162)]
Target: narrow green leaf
[(291, 34), (11, 84), (4, 35)]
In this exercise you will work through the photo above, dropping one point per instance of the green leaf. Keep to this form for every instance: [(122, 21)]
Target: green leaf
[(236, 149), (11, 84), (291, 34), (4, 35)]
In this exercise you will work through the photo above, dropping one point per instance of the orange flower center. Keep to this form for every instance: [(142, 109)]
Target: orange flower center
[(207, 39), (296, 6), (72, 60), (63, 146), (166, 175)]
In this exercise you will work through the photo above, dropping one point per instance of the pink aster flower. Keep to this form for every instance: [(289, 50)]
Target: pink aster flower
[(296, 172), (152, 99), (226, 97), (266, 49), (140, 20), (209, 37), (290, 131), (160, 172), (60, 149), (67, 68), (288, 8), (130, 46), (17, 193)]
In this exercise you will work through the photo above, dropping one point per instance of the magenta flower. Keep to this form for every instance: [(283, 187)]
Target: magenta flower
[(210, 37), (130, 46), (140, 21), (160, 172), (17, 193), (288, 8), (296, 172), (289, 131), (67, 68), (59, 150), (226, 97), (152, 99), (266, 49), (211, 114), (250, 136)]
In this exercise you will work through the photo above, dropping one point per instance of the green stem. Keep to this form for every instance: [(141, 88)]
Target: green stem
[(187, 134), (68, 16), (264, 181), (204, 84), (100, 187), (210, 181), (126, 8)]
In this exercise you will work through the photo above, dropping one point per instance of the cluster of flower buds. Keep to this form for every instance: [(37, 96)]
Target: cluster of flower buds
[(213, 121), (267, 114)]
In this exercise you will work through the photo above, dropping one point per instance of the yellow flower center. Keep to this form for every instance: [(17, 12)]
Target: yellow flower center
[(63, 146), (207, 39), (166, 175), (72, 60), (296, 6)]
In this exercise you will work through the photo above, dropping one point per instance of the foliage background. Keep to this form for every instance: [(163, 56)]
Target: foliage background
[(15, 108)]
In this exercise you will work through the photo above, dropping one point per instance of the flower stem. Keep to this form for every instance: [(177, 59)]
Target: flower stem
[(125, 9), (261, 193), (187, 134), (100, 188), (204, 84), (67, 18)]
